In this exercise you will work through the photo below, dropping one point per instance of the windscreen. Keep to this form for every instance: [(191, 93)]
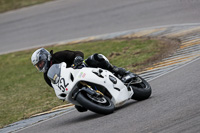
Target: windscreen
[(54, 73)]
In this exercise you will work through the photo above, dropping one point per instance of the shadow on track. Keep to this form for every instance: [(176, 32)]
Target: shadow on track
[(77, 118)]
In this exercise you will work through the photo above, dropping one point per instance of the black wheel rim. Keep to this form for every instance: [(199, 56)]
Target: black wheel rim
[(101, 100)]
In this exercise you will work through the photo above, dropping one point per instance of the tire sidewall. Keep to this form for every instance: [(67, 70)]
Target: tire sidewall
[(142, 93), (98, 108)]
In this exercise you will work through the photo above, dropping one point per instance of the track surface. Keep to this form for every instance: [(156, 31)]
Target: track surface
[(68, 19), (173, 107)]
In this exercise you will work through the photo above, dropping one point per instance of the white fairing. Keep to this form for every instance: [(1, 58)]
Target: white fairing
[(69, 78)]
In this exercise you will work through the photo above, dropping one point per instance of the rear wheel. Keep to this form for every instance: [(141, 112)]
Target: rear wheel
[(96, 103), (141, 90)]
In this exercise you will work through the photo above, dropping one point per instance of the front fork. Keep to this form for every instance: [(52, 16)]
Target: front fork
[(88, 89)]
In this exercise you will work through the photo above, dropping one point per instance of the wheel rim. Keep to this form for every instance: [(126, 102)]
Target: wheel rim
[(140, 84), (98, 99)]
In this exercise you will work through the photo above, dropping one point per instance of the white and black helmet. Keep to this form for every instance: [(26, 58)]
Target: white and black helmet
[(40, 59)]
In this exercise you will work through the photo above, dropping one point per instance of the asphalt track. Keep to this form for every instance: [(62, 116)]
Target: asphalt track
[(174, 105), (70, 19)]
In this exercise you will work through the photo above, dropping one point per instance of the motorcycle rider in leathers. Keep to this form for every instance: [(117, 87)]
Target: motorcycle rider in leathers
[(43, 60)]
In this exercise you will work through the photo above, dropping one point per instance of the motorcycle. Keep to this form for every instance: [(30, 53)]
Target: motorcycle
[(96, 89)]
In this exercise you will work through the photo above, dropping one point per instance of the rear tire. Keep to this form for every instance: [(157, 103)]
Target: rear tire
[(141, 90), (100, 105)]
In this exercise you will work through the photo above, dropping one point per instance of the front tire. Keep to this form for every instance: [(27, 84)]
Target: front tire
[(100, 105), (141, 90)]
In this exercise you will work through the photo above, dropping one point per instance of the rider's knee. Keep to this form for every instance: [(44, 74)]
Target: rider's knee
[(98, 60)]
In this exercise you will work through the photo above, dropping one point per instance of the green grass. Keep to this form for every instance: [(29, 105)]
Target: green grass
[(23, 91), (7, 5)]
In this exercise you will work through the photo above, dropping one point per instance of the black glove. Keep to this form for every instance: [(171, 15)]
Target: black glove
[(77, 61)]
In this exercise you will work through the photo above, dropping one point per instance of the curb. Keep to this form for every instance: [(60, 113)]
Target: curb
[(55, 109)]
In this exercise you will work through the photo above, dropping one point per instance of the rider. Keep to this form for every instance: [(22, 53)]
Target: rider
[(43, 60)]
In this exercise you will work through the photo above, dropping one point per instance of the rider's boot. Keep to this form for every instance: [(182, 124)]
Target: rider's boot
[(80, 109), (119, 72)]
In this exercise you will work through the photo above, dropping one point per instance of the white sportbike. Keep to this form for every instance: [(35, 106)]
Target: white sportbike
[(96, 89)]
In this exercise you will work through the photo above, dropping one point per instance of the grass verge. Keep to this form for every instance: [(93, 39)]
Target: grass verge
[(23, 91), (7, 5)]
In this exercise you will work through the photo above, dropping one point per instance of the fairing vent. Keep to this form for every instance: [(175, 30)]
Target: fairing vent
[(71, 77)]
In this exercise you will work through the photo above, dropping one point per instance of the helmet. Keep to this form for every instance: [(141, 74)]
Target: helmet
[(40, 59)]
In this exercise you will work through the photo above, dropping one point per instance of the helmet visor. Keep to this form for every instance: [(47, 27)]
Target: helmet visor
[(40, 65)]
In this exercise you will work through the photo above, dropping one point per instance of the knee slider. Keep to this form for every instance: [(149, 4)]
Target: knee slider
[(98, 57)]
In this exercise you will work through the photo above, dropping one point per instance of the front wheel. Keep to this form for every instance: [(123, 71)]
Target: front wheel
[(96, 103), (141, 90)]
